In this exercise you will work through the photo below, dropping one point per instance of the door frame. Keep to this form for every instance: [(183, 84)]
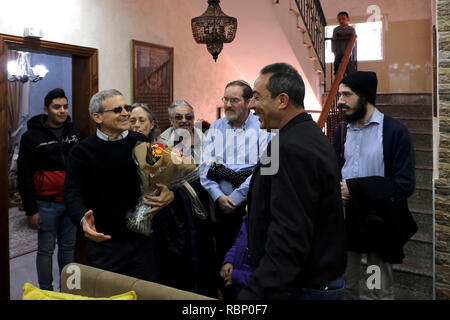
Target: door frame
[(84, 85)]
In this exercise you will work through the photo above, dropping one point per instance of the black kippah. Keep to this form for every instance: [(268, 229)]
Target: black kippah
[(363, 83)]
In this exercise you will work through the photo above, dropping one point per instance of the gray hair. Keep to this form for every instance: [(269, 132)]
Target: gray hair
[(155, 132), (96, 103), (150, 114), (177, 103)]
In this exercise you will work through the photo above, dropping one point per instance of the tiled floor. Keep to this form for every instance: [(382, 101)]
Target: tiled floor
[(23, 269)]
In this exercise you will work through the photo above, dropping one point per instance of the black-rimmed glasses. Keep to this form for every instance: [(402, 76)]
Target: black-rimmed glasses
[(120, 108)]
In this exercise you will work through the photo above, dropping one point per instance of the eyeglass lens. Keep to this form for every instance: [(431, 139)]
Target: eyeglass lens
[(186, 116), (120, 108)]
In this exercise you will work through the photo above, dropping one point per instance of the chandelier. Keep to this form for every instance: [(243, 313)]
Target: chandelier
[(214, 28), (21, 70)]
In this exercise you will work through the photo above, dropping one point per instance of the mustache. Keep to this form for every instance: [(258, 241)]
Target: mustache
[(343, 106)]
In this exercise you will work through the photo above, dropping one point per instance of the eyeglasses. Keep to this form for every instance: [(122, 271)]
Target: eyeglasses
[(188, 117), (119, 109), (232, 100)]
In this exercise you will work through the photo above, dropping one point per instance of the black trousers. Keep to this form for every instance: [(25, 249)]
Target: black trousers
[(226, 230), (135, 257)]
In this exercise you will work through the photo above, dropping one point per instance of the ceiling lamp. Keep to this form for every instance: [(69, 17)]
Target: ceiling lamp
[(20, 70), (214, 28)]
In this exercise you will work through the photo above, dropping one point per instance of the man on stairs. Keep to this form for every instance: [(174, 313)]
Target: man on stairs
[(376, 156)]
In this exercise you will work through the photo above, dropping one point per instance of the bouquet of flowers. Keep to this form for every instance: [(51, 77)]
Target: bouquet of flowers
[(161, 164)]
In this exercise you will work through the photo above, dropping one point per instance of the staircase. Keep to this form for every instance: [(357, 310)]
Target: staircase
[(414, 278)]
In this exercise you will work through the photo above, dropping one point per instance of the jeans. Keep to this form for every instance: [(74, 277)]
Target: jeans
[(55, 226), (332, 290), (337, 63), (354, 278)]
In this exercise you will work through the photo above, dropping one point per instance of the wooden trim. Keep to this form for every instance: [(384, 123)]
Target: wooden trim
[(147, 44), (46, 46), (135, 43), (335, 86), (84, 85), (4, 182)]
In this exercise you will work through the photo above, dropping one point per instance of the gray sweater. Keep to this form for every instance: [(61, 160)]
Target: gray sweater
[(338, 46)]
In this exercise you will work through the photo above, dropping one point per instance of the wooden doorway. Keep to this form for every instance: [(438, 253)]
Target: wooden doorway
[(84, 85)]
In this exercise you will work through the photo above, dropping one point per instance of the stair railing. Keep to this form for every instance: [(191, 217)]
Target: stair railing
[(331, 101), (314, 20)]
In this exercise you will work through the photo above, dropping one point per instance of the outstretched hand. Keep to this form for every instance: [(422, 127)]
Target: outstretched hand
[(89, 228)]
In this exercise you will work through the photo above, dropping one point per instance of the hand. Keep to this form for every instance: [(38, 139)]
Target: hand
[(228, 281), (89, 228), (158, 202), (345, 193), (226, 204), (226, 270), (34, 221)]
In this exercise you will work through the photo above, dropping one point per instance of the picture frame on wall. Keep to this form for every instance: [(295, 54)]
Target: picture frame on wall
[(153, 78)]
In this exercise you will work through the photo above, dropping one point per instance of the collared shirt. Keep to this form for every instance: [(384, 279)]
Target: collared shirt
[(171, 137), (105, 137), (236, 149), (364, 149)]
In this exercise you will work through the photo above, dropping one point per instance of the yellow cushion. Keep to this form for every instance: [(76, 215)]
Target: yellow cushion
[(30, 292)]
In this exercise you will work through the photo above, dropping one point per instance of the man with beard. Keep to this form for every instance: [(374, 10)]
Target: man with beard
[(232, 148), (377, 167), (185, 230)]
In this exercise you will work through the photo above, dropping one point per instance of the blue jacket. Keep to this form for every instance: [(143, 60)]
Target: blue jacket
[(239, 257)]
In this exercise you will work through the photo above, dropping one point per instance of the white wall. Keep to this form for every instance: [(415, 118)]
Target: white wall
[(110, 25)]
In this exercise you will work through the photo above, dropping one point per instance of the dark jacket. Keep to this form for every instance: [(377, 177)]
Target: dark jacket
[(42, 162), (239, 257), (377, 215), (296, 222)]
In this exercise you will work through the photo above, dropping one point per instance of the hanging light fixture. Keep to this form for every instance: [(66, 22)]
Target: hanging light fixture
[(20, 70), (214, 28)]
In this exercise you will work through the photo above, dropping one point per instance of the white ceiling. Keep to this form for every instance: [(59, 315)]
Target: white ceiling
[(259, 40)]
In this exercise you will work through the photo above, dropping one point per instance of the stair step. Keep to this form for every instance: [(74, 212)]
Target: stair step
[(412, 286), (423, 156), (414, 268), (411, 281), (421, 209), (417, 123), (422, 194), (419, 254), (404, 98), (425, 225), (397, 111), (423, 174), (421, 139)]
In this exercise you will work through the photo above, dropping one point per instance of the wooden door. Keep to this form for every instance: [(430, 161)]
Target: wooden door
[(84, 85)]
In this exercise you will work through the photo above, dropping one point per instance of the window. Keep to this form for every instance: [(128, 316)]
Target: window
[(369, 41)]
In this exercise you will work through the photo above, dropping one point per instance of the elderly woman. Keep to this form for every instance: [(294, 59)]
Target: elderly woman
[(143, 120)]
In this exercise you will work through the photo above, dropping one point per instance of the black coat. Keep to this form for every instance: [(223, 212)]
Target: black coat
[(296, 222), (42, 162), (377, 215)]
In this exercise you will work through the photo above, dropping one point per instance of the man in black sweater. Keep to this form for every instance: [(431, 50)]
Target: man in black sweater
[(103, 182), (296, 223)]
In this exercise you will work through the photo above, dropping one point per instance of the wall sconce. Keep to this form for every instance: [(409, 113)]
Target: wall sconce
[(214, 28), (20, 70)]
